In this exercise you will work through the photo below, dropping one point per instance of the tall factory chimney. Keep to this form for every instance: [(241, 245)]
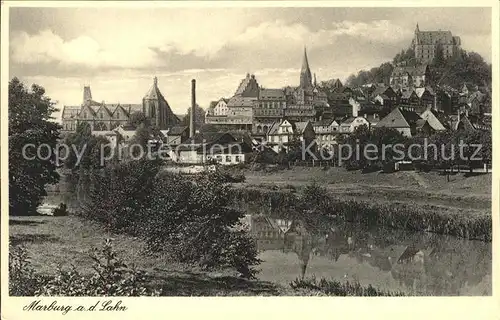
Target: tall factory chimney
[(193, 109)]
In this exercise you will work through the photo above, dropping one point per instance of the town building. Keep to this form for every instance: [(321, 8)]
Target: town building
[(206, 147), (326, 131), (218, 108), (157, 109), (282, 134), (426, 43), (404, 121), (404, 77), (270, 107), (101, 116)]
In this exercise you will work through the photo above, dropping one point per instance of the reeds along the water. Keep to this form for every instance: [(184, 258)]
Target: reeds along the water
[(401, 216)]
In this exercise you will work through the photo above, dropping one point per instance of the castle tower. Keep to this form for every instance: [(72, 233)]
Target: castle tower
[(305, 73), (87, 95)]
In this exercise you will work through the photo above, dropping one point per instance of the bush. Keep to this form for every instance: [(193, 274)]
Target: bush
[(22, 278), (194, 220), (60, 211), (191, 219), (111, 277)]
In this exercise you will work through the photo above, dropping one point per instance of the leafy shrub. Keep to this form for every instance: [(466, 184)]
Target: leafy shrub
[(337, 288), (111, 277), (22, 278), (190, 218), (198, 224), (60, 211)]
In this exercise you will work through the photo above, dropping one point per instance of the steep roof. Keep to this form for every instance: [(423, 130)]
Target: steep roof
[(297, 126), (177, 130), (153, 92), (407, 94), (238, 101), (433, 37), (435, 119), (399, 118), (274, 94), (70, 112), (210, 138)]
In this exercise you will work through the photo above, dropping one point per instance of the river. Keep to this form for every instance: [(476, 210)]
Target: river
[(389, 259)]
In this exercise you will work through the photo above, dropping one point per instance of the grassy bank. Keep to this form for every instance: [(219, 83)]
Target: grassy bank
[(462, 191), (62, 242), (288, 202)]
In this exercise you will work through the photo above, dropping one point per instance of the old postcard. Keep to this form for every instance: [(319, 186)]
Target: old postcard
[(312, 150)]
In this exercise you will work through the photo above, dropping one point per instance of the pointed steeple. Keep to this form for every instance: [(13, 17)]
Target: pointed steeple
[(417, 28), (154, 92), (315, 83), (305, 72)]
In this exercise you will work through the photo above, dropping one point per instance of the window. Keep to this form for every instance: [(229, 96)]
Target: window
[(237, 159), (85, 114), (228, 158), (101, 115)]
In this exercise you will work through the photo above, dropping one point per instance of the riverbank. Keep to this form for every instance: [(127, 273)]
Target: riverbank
[(53, 242), (462, 191), (289, 202)]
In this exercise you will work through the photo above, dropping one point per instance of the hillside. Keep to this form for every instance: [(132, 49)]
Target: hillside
[(464, 67)]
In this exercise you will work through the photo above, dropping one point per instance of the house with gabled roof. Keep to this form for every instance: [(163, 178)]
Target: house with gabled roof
[(401, 119), (282, 134), (205, 147), (437, 120)]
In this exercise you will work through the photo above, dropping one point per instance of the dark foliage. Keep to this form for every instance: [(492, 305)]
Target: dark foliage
[(60, 211), (29, 123), (337, 288), (190, 220)]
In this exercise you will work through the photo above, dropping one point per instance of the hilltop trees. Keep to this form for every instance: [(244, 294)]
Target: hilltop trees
[(454, 71), (29, 123)]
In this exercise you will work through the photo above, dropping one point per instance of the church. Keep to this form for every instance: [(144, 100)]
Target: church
[(103, 116)]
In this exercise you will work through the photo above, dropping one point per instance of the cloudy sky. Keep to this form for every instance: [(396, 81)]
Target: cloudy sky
[(118, 51)]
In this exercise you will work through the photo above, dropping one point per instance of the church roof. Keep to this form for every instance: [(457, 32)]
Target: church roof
[(153, 92)]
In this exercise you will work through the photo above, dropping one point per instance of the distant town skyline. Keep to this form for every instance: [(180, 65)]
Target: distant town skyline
[(118, 51)]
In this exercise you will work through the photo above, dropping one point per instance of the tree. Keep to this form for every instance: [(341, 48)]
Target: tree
[(30, 123), (87, 146), (199, 117), (137, 118), (439, 59)]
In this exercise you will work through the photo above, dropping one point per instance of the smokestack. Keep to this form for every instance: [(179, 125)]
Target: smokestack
[(193, 107)]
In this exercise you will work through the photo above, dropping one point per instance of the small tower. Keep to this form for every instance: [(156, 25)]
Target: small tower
[(87, 95), (305, 73)]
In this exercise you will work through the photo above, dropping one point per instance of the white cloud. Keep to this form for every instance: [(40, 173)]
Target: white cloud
[(46, 47)]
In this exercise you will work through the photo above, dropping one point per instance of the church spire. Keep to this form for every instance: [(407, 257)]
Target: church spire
[(305, 72)]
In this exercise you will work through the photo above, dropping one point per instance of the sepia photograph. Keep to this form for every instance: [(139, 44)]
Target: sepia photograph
[(171, 150)]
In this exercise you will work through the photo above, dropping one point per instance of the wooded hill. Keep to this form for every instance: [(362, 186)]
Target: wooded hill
[(464, 67)]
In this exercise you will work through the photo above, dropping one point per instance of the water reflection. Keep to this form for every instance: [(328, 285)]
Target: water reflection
[(417, 263)]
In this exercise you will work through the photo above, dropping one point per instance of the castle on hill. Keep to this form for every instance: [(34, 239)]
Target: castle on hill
[(426, 43)]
